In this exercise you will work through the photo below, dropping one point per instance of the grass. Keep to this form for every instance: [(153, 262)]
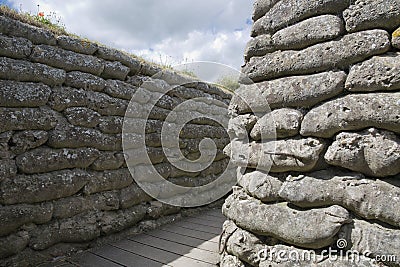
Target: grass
[(59, 29), (188, 73), (228, 82), (396, 33), (34, 20)]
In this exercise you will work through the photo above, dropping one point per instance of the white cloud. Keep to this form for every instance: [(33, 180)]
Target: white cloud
[(172, 31)]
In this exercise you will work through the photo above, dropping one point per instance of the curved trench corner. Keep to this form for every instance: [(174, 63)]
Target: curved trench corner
[(131, 164), (330, 72)]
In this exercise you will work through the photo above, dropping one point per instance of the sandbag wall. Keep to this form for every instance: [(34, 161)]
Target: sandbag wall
[(63, 175), (330, 72)]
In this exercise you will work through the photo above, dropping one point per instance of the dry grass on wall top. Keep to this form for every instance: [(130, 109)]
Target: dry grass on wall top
[(59, 29), (34, 20), (396, 33)]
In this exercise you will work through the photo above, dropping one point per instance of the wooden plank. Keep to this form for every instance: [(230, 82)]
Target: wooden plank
[(185, 240), (57, 264), (180, 249), (159, 255), (125, 258), (211, 218), (214, 213), (201, 221), (186, 262), (189, 232), (198, 227), (88, 259), (202, 227), (192, 241), (214, 218)]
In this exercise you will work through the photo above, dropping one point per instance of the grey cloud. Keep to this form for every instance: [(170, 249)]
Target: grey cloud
[(143, 24)]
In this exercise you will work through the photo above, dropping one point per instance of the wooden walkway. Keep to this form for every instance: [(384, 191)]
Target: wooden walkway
[(190, 242)]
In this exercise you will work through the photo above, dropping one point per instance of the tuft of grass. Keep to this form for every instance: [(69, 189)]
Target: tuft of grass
[(35, 20), (59, 29), (396, 33), (45, 23), (229, 82), (188, 73)]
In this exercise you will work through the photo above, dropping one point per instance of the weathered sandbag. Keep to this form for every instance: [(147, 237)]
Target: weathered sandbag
[(372, 14), (240, 126), (353, 112), (277, 156), (314, 228), (300, 35), (373, 240), (380, 73), (257, 252), (372, 152), (370, 199), (285, 13), (347, 50), (261, 185), (294, 91), (227, 260), (283, 123)]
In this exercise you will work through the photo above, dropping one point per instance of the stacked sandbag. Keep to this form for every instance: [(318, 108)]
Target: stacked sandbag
[(64, 177), (317, 137)]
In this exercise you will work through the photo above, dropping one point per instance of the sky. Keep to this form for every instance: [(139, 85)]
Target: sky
[(169, 32)]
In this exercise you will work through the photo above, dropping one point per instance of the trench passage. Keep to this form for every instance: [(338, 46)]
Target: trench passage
[(191, 241)]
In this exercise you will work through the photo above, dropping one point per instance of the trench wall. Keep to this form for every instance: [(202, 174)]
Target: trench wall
[(329, 71), (64, 179)]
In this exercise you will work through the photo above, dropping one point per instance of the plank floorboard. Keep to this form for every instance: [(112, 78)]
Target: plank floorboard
[(89, 259), (198, 227), (189, 232), (185, 240), (180, 249), (215, 213), (190, 242), (159, 255), (127, 257), (58, 264), (211, 218), (67, 264), (217, 225)]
